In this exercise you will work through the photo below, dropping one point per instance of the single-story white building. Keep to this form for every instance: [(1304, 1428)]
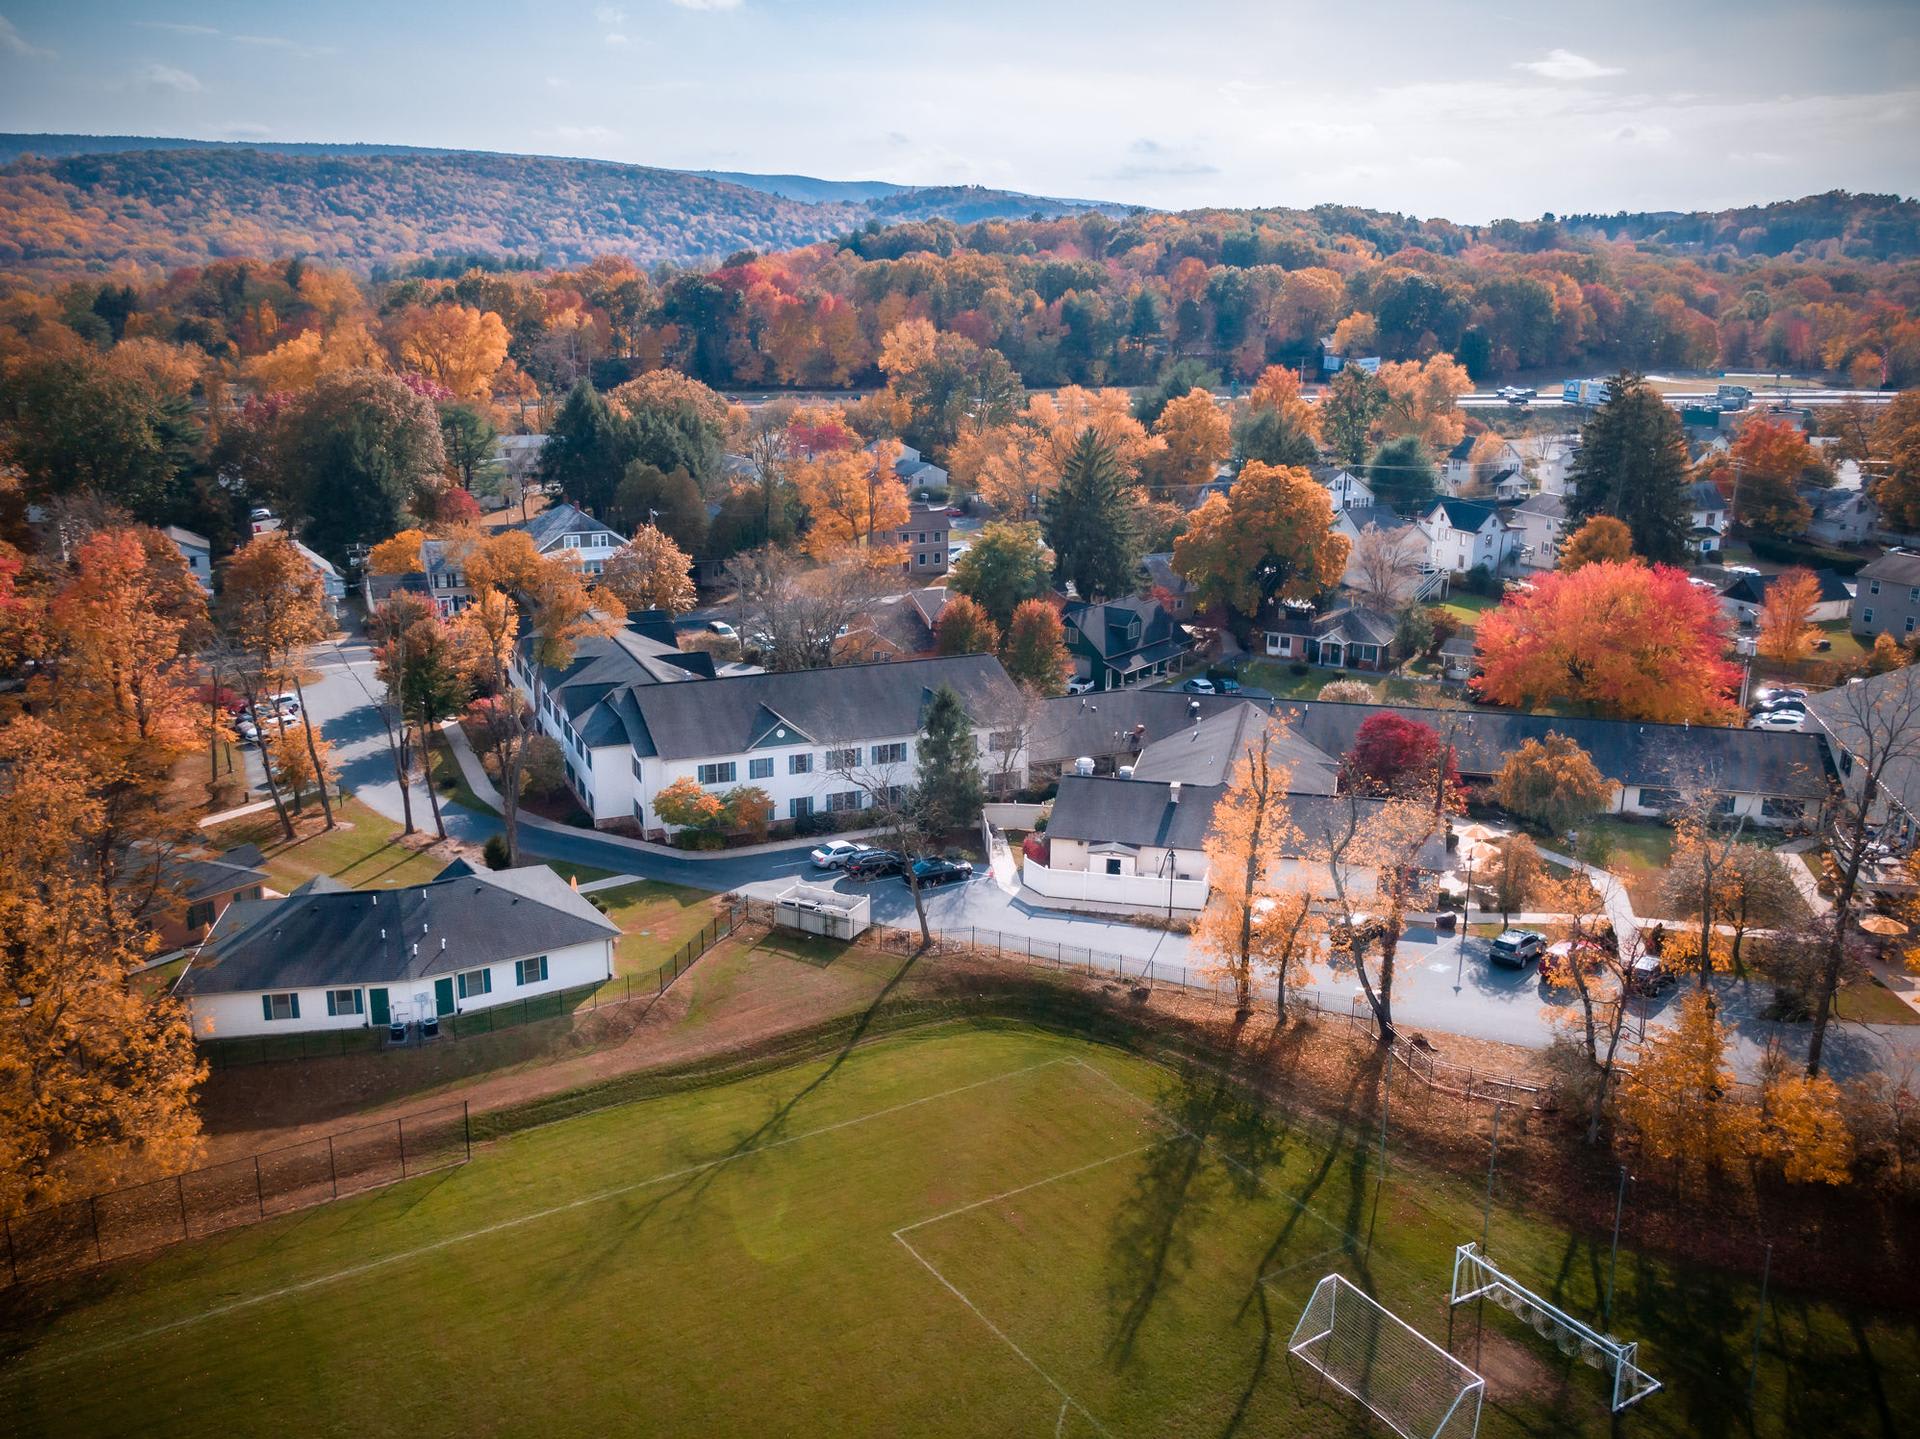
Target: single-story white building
[(329, 957)]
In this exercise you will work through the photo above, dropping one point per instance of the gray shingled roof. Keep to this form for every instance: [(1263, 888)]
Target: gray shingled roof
[(325, 935), (1886, 704), (561, 519), (1902, 569), (1204, 753), (726, 715)]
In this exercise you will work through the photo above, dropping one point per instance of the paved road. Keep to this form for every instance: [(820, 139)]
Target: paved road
[(1445, 984)]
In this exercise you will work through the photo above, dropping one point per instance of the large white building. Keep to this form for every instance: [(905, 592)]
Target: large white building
[(633, 716), (329, 957)]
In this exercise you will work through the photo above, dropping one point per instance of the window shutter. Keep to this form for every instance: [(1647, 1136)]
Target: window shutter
[(266, 1006), (359, 1001), (296, 1005)]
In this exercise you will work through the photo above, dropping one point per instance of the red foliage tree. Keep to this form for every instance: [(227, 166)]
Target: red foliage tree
[(1395, 755)]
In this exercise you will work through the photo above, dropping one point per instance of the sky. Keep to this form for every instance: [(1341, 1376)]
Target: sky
[(1468, 111)]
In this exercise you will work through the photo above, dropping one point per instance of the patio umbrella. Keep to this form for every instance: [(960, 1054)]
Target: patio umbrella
[(1884, 925)]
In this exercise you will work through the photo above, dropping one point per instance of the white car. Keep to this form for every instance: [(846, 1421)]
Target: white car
[(1080, 686), (721, 627), (1768, 694), (248, 731), (835, 854), (1781, 721)]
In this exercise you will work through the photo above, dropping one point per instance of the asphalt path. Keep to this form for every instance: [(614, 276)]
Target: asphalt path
[(1444, 983)]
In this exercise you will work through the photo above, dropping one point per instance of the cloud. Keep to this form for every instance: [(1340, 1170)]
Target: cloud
[(281, 42), (1642, 135), (610, 15), (168, 77), (614, 37), (579, 134), (12, 42), (1565, 65), (707, 5), (245, 130), (1159, 161), (173, 27)]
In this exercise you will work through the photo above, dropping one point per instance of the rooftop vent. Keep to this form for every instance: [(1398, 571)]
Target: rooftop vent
[(1173, 792)]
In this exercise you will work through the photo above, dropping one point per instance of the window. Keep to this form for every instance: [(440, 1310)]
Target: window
[(475, 982), (1873, 587), (1909, 624), (718, 773), (638, 773), (1113, 864), (842, 758), (344, 1001), (843, 801), (760, 769), (200, 915), (280, 1006), (800, 808), (889, 754), (799, 764), (530, 971), (1866, 617), (1913, 595), (1003, 741), (1651, 798)]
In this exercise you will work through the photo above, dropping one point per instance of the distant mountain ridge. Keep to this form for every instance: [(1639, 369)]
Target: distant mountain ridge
[(94, 201)]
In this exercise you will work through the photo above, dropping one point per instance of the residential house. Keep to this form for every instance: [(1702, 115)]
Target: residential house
[(1552, 463), (1886, 597), (561, 529), (924, 541), (897, 627), (1168, 586), (632, 722), (565, 529), (1346, 489), (1206, 750), (1859, 721), (198, 888), (1743, 596), (1459, 657), (333, 584), (329, 957), (1708, 518), (1123, 642), (1542, 521), (1510, 486), (1351, 637), (912, 469), (440, 578), (197, 551), (1417, 578), (1840, 516), (1459, 475), (1467, 534)]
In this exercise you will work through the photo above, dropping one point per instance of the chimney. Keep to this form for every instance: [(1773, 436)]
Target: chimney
[(443, 944), (416, 951), (1173, 792)]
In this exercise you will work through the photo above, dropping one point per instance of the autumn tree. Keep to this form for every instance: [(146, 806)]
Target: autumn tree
[(1420, 401), (1278, 426), (1513, 873), (1887, 654), (96, 1075), (1803, 1129), (1896, 439), (424, 668), (1195, 441), (1006, 565), (1770, 458), (1270, 538), (1394, 754), (854, 502), (1384, 567), (1552, 782), (356, 452), (1678, 1103), (1622, 640), (649, 572), (1089, 522), (452, 345), (398, 555), (301, 761), (273, 607), (1598, 968), (964, 628), (1373, 854), (1244, 846), (1601, 538), (1035, 649), (1348, 408), (1632, 465), (794, 610), (1786, 616), (945, 381), (684, 804)]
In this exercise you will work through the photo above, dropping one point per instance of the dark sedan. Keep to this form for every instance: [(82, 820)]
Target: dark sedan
[(929, 872), (876, 864)]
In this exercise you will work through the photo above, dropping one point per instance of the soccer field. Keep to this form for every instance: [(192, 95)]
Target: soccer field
[(968, 1231)]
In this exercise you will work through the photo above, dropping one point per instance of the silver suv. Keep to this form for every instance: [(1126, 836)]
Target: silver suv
[(1514, 947)]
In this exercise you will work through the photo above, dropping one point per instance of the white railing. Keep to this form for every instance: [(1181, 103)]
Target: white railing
[(1138, 891)]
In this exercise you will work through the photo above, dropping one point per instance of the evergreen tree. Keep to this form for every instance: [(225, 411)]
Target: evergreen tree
[(671, 502), (1273, 438), (585, 451), (1089, 522), (1347, 412), (468, 437), (1401, 474), (1633, 466), (949, 787)]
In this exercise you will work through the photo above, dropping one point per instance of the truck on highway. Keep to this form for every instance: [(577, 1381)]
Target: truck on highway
[(1585, 392)]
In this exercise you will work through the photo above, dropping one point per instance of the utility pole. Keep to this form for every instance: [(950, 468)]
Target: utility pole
[(1613, 1262)]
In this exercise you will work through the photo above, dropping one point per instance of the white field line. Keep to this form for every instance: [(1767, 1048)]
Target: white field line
[(599, 1197)]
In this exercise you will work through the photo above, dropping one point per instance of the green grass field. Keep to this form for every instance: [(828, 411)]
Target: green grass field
[(967, 1231), (363, 851)]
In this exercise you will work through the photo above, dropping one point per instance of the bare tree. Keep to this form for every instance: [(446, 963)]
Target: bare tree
[(901, 813), (1599, 968), (1385, 566), (1384, 839), (792, 613), (1875, 725)]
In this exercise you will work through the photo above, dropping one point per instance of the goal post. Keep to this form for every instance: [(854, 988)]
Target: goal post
[(1475, 1276), (1400, 1376)]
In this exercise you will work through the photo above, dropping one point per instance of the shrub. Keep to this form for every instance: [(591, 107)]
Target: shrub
[(808, 825), (700, 839), (495, 852), (1298, 667), (544, 770), (1799, 552)]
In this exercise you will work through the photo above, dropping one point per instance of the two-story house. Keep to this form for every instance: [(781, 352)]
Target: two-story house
[(197, 551), (1886, 596), (1460, 474), (1346, 489), (1840, 516), (1167, 585), (1552, 461), (1123, 642), (1466, 534), (1707, 518), (924, 540), (568, 530), (1542, 522)]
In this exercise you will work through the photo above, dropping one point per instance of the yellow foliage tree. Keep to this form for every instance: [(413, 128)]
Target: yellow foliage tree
[(399, 555), (1420, 401), (297, 365), (1194, 432), (1600, 538), (855, 502), (1272, 536), (650, 572), (1804, 1130), (1786, 614), (1678, 1104), (453, 345), (301, 760)]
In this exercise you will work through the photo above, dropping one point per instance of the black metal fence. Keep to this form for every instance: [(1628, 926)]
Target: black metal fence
[(117, 1223), (1468, 1081), (555, 1004)]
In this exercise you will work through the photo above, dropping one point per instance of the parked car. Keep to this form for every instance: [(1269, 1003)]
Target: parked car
[(954, 512), (1649, 976), (1779, 722), (1079, 686), (287, 704), (248, 731), (838, 853), (1347, 934), (1515, 947), (930, 871), (723, 629), (1198, 686), (1226, 686), (876, 864), (1766, 694)]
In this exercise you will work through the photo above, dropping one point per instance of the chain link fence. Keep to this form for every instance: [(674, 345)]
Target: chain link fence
[(118, 1223)]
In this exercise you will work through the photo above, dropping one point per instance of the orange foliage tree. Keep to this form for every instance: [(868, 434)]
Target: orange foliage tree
[(1420, 401), (1600, 538), (398, 555), (1623, 640), (1271, 536), (855, 502), (452, 345), (964, 628), (1786, 615)]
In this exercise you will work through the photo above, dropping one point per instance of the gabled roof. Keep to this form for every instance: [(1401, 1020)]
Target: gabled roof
[(1752, 589), (320, 562), (197, 877), (1705, 495), (1162, 575), (1468, 515), (1553, 507), (183, 536), (1205, 752), (1864, 715), (554, 521), (1104, 629), (1464, 449), (325, 935), (1379, 517), (1902, 569)]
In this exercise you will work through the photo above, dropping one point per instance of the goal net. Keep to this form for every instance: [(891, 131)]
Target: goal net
[(1402, 1377), (1475, 1275)]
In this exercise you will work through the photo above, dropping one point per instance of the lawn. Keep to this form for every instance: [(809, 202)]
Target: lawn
[(657, 919), (451, 783), (1281, 682), (1637, 851), (1467, 608), (362, 851), (967, 1231), (1867, 1001), (1846, 649)]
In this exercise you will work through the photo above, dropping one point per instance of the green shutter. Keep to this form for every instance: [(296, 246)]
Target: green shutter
[(296, 1005), (266, 1006), (359, 1002)]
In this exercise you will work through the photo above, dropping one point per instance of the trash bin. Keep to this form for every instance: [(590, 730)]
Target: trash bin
[(1445, 921)]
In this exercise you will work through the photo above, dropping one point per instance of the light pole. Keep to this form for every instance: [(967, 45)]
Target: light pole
[(1613, 1261)]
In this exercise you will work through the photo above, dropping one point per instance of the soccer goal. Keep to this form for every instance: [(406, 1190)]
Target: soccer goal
[(1475, 1275), (1402, 1377)]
